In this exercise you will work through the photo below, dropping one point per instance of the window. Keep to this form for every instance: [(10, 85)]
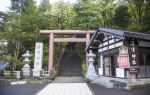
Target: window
[(148, 60), (144, 62), (141, 59), (110, 65)]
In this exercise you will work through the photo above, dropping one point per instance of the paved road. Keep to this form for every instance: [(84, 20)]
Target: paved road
[(31, 89), (27, 89), (66, 89), (100, 90)]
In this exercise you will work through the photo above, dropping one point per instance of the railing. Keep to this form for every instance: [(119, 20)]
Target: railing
[(29, 74), (46, 73)]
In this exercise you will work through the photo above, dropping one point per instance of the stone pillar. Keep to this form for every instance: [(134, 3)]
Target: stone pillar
[(51, 52), (91, 73), (101, 63)]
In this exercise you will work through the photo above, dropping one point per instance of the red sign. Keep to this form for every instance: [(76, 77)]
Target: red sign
[(123, 61), (123, 58)]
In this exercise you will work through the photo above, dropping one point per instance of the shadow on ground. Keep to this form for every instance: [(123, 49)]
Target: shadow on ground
[(26, 89), (100, 90)]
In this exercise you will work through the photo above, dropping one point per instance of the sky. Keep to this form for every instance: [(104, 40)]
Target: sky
[(5, 4)]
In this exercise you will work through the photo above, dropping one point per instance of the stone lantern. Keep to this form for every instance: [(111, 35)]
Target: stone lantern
[(26, 68), (91, 73)]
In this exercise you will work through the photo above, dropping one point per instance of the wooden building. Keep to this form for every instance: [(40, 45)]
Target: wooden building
[(121, 53)]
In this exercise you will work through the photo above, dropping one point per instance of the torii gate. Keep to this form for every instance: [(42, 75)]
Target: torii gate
[(63, 32)]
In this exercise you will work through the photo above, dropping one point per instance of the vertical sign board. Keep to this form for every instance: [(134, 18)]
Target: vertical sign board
[(123, 58), (18, 74), (134, 61), (38, 58)]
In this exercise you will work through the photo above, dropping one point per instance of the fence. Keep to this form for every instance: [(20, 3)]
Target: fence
[(28, 74)]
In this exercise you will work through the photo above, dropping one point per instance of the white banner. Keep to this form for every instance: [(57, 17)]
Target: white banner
[(38, 56)]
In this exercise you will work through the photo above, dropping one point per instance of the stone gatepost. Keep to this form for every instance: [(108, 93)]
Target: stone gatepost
[(91, 73)]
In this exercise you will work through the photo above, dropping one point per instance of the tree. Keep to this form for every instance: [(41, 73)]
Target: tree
[(140, 14), (16, 28), (146, 18), (11, 33), (84, 16), (107, 11), (45, 7), (91, 13), (61, 14), (45, 18), (29, 16), (122, 17), (137, 8)]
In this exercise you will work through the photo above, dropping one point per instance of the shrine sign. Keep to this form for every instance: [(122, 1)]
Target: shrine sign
[(123, 58)]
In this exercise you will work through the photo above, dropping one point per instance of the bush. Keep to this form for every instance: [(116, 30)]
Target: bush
[(135, 27)]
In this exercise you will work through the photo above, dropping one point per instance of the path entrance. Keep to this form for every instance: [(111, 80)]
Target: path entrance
[(70, 64), (70, 70)]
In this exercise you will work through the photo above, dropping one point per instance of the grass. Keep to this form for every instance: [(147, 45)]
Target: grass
[(139, 85), (6, 74), (36, 81), (33, 81)]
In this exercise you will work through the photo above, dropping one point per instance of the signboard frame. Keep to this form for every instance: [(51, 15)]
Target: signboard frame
[(134, 60), (38, 59), (123, 58)]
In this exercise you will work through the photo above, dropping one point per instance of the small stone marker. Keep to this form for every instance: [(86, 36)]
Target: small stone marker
[(18, 74)]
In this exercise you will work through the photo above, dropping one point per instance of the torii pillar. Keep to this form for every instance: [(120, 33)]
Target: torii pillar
[(51, 52), (87, 41)]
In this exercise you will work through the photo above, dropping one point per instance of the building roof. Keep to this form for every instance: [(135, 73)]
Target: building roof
[(121, 34), (125, 33)]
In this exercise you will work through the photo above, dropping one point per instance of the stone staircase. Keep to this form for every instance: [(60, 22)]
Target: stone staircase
[(72, 79), (70, 64)]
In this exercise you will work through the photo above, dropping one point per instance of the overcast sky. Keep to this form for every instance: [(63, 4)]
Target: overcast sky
[(5, 4)]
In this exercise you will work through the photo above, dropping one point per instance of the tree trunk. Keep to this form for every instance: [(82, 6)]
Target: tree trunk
[(132, 9)]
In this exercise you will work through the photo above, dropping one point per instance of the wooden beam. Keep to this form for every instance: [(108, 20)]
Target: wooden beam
[(69, 39), (47, 32)]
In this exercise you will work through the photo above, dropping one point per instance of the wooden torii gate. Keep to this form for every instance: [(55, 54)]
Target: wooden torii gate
[(63, 32)]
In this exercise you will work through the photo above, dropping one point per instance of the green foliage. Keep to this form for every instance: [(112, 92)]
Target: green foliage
[(135, 27), (29, 17), (146, 21), (61, 13), (80, 48), (84, 68), (91, 13), (45, 56), (14, 64), (122, 17)]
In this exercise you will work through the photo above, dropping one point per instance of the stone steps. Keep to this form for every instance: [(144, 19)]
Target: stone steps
[(72, 79), (70, 64)]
